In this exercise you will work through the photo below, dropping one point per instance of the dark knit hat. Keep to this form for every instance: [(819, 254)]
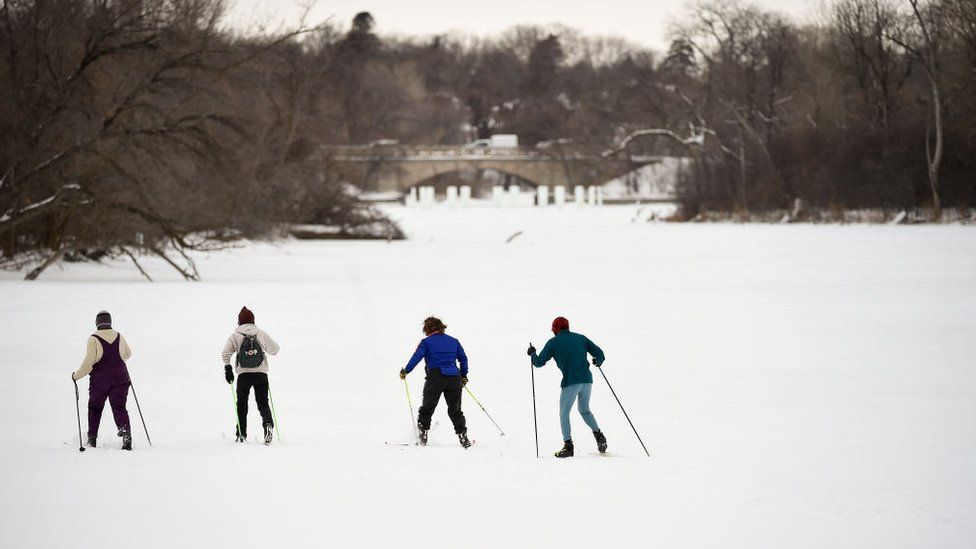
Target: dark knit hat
[(103, 320), (245, 316), (559, 324)]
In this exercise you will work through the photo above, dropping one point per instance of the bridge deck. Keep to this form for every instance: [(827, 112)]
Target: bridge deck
[(443, 153)]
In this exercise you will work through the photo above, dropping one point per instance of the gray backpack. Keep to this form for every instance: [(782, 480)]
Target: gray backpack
[(250, 355)]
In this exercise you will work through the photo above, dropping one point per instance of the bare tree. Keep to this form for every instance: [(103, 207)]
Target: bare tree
[(746, 53), (924, 42), (865, 49), (135, 127)]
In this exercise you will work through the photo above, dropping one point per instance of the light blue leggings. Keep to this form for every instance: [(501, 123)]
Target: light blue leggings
[(566, 398)]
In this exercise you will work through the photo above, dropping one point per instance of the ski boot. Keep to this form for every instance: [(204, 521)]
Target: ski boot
[(91, 441), (126, 439), (601, 441), (463, 439), (422, 435), (268, 433), (567, 450), (238, 437)]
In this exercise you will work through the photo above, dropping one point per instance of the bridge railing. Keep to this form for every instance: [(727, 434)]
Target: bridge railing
[(393, 151), (435, 152)]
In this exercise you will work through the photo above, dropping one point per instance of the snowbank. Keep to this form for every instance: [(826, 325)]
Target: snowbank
[(962, 216)]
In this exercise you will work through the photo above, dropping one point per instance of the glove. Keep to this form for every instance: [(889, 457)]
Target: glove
[(531, 350), (464, 380), (597, 364), (403, 373), (228, 373)]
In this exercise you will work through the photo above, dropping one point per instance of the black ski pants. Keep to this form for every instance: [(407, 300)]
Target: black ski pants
[(259, 381), (436, 385)]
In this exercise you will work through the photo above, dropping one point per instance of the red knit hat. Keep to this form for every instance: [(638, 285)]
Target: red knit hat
[(559, 324), (245, 316)]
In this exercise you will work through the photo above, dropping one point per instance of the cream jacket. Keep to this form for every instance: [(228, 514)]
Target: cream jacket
[(237, 338), (93, 352)]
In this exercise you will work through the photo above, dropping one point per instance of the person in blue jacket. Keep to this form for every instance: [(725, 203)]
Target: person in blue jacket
[(570, 350), (441, 354)]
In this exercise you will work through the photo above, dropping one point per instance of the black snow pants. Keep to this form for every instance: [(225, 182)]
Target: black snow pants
[(259, 381), (435, 385)]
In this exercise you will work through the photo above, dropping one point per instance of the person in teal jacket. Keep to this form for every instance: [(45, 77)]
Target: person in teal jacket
[(570, 350)]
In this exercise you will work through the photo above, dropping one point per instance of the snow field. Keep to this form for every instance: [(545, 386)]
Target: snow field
[(801, 386)]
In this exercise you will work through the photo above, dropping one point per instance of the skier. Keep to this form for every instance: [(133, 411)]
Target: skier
[(570, 349), (441, 353), (105, 358), (252, 345)]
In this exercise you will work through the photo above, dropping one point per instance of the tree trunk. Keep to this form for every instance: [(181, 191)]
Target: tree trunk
[(935, 158), (931, 62), (743, 200)]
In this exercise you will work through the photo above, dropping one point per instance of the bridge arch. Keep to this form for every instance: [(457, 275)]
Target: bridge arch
[(410, 174), (480, 185)]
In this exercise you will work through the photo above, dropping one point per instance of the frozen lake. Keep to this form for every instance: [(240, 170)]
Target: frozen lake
[(798, 386)]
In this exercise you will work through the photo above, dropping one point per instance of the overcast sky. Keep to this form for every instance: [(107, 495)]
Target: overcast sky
[(643, 22)]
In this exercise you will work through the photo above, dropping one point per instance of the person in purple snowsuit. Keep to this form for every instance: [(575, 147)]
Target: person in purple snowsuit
[(105, 358)]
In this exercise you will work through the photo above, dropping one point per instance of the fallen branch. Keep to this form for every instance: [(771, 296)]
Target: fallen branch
[(186, 275), (136, 263)]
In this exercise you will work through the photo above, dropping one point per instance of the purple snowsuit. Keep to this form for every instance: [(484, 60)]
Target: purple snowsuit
[(109, 379)]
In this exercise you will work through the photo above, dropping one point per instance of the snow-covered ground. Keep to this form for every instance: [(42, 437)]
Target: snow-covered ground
[(798, 386)]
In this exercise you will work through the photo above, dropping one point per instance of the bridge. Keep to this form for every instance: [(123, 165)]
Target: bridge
[(397, 168)]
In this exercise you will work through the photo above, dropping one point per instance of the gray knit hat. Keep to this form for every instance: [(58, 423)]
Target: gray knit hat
[(103, 320)]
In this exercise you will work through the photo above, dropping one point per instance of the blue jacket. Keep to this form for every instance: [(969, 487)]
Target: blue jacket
[(440, 351), (570, 350)]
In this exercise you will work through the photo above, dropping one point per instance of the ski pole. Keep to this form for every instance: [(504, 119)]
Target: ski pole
[(535, 420), (237, 417), (483, 410), (274, 415), (81, 445), (131, 386), (410, 403), (624, 411)]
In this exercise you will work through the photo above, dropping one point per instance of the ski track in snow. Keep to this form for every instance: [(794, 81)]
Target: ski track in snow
[(797, 386)]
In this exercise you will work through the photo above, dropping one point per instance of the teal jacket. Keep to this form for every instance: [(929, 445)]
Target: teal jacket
[(569, 349)]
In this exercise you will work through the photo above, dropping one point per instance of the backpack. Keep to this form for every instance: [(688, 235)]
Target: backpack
[(250, 355)]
